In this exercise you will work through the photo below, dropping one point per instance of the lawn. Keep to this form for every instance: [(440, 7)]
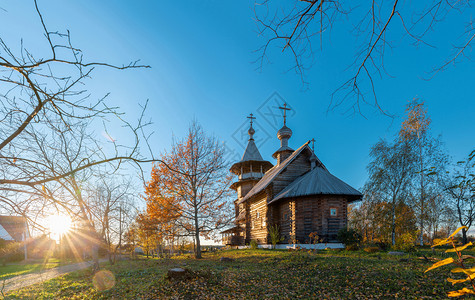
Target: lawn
[(259, 274), (15, 269)]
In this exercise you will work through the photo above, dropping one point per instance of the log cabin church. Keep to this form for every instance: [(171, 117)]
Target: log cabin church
[(298, 194)]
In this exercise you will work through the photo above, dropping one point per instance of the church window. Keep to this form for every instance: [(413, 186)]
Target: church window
[(258, 215), (333, 212)]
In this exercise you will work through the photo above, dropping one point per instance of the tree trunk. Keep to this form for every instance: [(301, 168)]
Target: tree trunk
[(109, 256), (95, 257), (197, 235), (464, 237), (393, 225), (421, 240)]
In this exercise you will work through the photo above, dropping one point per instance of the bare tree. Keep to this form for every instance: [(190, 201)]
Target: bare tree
[(460, 187), (46, 121), (198, 189), (113, 209), (298, 25)]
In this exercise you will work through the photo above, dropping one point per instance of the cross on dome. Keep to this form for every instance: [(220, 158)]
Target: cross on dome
[(251, 117), (285, 109)]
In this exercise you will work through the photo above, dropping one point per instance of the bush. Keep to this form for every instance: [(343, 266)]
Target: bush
[(371, 249), (11, 252), (405, 242), (349, 236), (352, 247), (275, 237), (253, 245)]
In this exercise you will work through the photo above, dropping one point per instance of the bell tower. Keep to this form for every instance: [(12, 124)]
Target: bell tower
[(251, 167)]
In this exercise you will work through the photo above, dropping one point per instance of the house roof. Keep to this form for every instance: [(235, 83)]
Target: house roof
[(13, 225), (317, 182), (276, 170)]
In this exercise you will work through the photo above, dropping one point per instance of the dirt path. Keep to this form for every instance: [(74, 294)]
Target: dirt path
[(22, 281)]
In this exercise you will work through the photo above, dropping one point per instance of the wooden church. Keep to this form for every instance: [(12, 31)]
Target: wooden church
[(298, 194)]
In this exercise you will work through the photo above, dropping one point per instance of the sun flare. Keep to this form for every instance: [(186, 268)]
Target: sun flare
[(59, 225)]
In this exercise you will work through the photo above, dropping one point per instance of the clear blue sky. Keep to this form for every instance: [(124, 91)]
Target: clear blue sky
[(201, 53)]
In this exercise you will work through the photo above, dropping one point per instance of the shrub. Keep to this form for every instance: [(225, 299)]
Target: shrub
[(352, 247), (253, 245), (314, 237), (275, 237), (371, 249), (348, 236), (405, 242), (11, 252)]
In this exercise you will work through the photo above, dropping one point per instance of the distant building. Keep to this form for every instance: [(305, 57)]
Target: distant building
[(13, 228), (298, 194)]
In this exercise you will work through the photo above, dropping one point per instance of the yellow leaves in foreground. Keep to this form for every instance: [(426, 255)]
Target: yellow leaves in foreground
[(458, 249), (454, 281), (461, 292), (470, 272), (449, 239), (441, 263)]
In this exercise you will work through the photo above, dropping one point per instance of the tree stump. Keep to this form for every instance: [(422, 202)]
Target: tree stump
[(176, 273)]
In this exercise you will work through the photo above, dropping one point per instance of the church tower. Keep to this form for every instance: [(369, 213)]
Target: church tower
[(284, 134), (251, 167)]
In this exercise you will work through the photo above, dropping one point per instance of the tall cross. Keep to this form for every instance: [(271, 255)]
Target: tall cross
[(313, 144), (285, 109), (251, 118)]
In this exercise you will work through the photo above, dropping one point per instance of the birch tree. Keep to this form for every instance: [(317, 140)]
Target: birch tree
[(390, 175), (430, 161)]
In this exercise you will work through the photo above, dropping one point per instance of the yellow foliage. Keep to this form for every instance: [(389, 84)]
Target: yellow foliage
[(441, 263), (469, 272), (454, 281), (458, 249), (461, 292), (456, 231), (461, 270), (449, 239)]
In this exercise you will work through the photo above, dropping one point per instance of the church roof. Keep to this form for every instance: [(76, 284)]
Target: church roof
[(317, 182), (251, 152), (274, 171)]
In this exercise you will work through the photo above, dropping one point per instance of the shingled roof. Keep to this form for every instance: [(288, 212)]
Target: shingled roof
[(276, 170), (317, 182), (251, 154)]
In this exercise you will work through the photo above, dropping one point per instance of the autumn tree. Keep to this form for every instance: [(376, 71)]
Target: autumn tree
[(390, 175), (147, 233), (374, 220), (300, 29), (430, 160), (194, 189)]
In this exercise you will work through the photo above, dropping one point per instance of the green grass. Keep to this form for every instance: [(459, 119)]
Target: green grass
[(21, 268), (259, 274)]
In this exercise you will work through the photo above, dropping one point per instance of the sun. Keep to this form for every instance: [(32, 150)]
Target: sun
[(59, 225)]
